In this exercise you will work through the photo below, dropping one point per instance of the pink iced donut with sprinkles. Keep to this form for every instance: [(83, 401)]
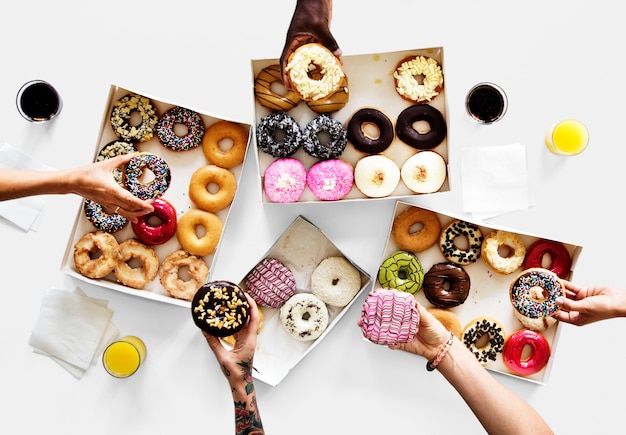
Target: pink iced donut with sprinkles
[(533, 295), (330, 180), (389, 317), (180, 115), (284, 180)]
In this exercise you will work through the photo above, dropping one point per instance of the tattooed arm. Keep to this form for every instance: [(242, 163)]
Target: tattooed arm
[(237, 367)]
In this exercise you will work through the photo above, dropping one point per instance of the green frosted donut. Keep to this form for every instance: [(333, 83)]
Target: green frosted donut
[(403, 271)]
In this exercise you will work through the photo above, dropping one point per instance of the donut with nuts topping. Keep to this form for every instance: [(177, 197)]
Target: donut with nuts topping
[(220, 308)]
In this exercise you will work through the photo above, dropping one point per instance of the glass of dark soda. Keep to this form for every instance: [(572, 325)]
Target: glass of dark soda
[(38, 101)]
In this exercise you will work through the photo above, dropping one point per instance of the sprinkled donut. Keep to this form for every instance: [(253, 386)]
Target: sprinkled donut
[(136, 277), (307, 58), (427, 228), (406, 78), (269, 99), (324, 125), (424, 172), (418, 139), (284, 180), (158, 226), (180, 115), (203, 195), (88, 263), (114, 149), (403, 271), (446, 285), (155, 187), (462, 229), (121, 118), (361, 140), (558, 255), (220, 308), (335, 281), (271, 127), (484, 337), (514, 347), (512, 245), (183, 286), (109, 223), (304, 316), (376, 176), (217, 133), (533, 295), (330, 180)]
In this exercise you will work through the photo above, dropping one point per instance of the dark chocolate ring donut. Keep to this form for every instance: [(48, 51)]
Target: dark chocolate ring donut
[(421, 112), (315, 147), (446, 285), (220, 308), (362, 141)]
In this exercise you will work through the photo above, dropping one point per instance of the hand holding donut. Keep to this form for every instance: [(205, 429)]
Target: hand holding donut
[(582, 306)]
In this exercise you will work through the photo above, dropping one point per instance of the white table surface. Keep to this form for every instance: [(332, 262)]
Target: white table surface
[(555, 60)]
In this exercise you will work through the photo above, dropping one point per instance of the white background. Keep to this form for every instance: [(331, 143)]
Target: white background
[(554, 59)]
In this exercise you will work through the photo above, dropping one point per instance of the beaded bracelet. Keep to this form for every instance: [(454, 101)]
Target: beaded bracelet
[(432, 364)]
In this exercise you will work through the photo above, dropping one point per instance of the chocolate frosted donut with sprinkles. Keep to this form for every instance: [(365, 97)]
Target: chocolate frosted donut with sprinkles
[(109, 223), (278, 135), (313, 140), (448, 242), (180, 115), (114, 149), (533, 296), (135, 169)]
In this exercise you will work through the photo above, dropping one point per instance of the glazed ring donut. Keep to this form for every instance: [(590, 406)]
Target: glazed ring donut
[(109, 223), (267, 97), (220, 308), (268, 130), (497, 242), (402, 270), (324, 124), (446, 285), (135, 169), (200, 188), (461, 229), (559, 258), (180, 115), (304, 316), (533, 295), (173, 282), (114, 149), (310, 57), (121, 114), (361, 140), (514, 347), (335, 281), (188, 237), (484, 337), (416, 229), (158, 226), (88, 246), (406, 78), (429, 138), (218, 132), (448, 319), (136, 277)]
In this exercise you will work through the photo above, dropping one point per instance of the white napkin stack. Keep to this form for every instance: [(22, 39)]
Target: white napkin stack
[(72, 329)]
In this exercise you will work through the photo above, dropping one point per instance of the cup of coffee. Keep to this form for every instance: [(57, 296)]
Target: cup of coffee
[(486, 102), (38, 101)]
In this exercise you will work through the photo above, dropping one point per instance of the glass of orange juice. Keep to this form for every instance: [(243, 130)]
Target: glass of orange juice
[(567, 138), (123, 357)]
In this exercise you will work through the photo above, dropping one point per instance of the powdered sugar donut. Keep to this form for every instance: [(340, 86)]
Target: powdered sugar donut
[(330, 180), (335, 281), (270, 283), (376, 176), (424, 172), (284, 180), (304, 316)]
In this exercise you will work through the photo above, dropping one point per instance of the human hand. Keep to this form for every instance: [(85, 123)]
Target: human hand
[(310, 23), (582, 306)]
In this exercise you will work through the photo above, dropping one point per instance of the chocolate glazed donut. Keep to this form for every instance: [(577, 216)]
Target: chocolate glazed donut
[(362, 141), (421, 112), (446, 285)]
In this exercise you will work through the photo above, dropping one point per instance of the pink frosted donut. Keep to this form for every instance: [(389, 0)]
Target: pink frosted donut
[(330, 180), (284, 180), (270, 283), (389, 317)]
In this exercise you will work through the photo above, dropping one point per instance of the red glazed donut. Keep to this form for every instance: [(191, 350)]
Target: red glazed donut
[(560, 260), (152, 233), (514, 347)]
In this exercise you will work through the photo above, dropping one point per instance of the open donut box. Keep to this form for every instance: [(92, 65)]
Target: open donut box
[(370, 84), (182, 164), (489, 291)]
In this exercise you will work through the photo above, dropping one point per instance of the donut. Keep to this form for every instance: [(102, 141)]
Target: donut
[(114, 149), (310, 57), (415, 229), (330, 180), (503, 251), (158, 226), (131, 276), (201, 188), (376, 176), (230, 339), (189, 239), (533, 295), (318, 128), (461, 230), (270, 283), (96, 254), (559, 260), (424, 172), (136, 168), (359, 137), (422, 139), (109, 223), (335, 281), (220, 308), (217, 134), (284, 180), (514, 349), (484, 337), (337, 99), (183, 286), (389, 317), (407, 74), (446, 285), (403, 271), (121, 118), (268, 98), (304, 316), (269, 132), (448, 319), (180, 115)]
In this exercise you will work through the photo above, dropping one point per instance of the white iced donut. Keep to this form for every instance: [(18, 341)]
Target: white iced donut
[(424, 172), (376, 176), (304, 316), (335, 281)]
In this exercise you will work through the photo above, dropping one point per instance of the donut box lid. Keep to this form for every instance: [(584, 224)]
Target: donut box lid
[(301, 247), (182, 164), (489, 291), (370, 84)]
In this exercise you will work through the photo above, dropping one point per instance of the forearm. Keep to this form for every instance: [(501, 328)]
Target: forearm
[(19, 184), (247, 416)]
